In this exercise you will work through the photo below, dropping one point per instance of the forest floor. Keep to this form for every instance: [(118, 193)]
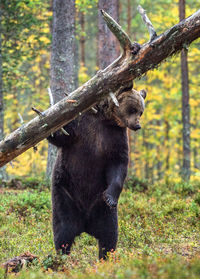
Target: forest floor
[(159, 234)]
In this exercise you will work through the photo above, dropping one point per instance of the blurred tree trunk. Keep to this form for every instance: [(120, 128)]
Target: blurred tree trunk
[(2, 170), (196, 143), (82, 40), (108, 46), (158, 151), (159, 163), (167, 150), (63, 59), (129, 34), (185, 104), (129, 17)]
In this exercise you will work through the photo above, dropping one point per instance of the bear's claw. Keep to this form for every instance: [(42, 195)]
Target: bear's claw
[(109, 200)]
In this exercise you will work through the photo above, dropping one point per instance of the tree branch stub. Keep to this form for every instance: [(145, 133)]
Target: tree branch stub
[(37, 111), (114, 99)]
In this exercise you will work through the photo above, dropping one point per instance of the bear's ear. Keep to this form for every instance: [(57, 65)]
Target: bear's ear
[(125, 88), (143, 93)]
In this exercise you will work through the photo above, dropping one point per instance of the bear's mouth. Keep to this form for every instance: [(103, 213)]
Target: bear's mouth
[(134, 127)]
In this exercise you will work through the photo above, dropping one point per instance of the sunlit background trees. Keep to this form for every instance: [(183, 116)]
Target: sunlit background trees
[(156, 150)]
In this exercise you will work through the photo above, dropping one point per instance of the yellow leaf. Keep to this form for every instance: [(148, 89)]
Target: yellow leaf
[(194, 103), (44, 40), (8, 97), (195, 134)]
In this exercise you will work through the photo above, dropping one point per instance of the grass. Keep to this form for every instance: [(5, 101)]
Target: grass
[(159, 234)]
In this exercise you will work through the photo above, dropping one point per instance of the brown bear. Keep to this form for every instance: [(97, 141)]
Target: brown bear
[(90, 170)]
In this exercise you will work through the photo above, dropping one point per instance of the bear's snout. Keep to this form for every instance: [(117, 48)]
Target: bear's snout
[(136, 127)]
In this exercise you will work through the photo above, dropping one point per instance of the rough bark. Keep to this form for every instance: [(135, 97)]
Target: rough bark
[(63, 49), (127, 67), (108, 46), (185, 103), (63, 63)]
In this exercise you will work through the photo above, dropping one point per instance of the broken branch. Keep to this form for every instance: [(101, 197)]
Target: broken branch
[(51, 101), (116, 29), (21, 118), (51, 104), (148, 23), (37, 111), (64, 132), (113, 97), (94, 110)]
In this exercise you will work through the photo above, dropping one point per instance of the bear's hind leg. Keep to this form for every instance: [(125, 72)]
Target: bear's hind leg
[(107, 245), (108, 232), (68, 221), (103, 225), (63, 238)]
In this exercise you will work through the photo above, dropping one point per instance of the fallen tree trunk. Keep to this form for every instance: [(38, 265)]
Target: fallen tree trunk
[(130, 65)]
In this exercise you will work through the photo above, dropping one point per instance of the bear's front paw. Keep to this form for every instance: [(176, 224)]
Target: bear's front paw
[(110, 201)]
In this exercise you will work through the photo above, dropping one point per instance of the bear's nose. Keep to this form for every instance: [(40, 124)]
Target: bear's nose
[(137, 127)]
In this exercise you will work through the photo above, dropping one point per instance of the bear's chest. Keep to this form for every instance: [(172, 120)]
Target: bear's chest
[(103, 141)]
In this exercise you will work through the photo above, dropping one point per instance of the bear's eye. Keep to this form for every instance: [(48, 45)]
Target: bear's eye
[(141, 113), (132, 110)]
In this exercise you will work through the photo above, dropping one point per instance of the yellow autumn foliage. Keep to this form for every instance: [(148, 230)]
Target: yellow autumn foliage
[(83, 76), (160, 145)]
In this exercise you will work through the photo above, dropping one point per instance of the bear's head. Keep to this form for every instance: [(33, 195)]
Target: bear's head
[(130, 109)]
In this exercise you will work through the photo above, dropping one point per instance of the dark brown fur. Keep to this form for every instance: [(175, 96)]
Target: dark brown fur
[(90, 171)]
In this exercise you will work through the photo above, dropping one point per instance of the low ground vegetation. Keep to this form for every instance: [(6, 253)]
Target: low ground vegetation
[(158, 233)]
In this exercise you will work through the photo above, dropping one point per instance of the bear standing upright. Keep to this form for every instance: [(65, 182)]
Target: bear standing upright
[(90, 170)]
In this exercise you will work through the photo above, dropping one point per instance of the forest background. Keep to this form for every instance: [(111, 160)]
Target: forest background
[(156, 150), (158, 221)]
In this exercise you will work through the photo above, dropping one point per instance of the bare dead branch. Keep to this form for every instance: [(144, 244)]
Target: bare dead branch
[(51, 104), (15, 264), (71, 101), (64, 132), (51, 101), (94, 110), (37, 111), (114, 99), (116, 29), (21, 118), (147, 22)]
